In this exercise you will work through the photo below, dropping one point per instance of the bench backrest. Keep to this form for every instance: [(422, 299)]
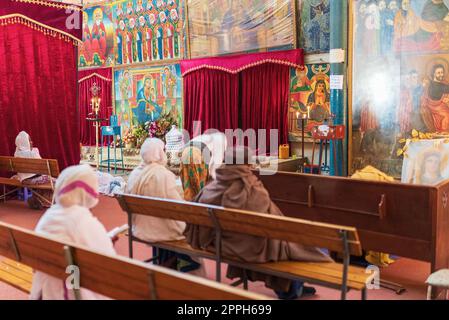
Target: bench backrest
[(26, 165), (114, 277), (252, 223)]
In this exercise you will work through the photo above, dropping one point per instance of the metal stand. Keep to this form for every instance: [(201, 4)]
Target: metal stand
[(97, 122)]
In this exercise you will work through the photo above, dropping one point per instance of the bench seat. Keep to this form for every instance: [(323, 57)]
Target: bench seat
[(329, 273), (16, 275), (18, 184)]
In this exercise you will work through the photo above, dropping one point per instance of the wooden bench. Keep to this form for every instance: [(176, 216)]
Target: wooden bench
[(47, 167), (402, 219), (339, 239), (112, 276)]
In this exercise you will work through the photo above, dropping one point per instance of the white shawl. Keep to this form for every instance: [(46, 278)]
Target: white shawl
[(152, 179), (70, 219)]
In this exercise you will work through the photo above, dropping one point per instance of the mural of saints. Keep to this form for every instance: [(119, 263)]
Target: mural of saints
[(97, 49), (144, 94), (309, 94), (401, 77), (149, 30)]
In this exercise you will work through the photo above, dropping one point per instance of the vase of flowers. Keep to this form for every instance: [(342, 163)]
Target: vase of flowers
[(160, 127), (140, 133), (129, 140)]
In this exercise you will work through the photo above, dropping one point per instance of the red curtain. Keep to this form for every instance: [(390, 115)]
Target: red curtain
[(212, 97), (264, 100), (241, 91), (87, 78), (38, 81)]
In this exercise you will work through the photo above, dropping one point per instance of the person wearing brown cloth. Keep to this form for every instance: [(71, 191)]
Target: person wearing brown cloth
[(235, 186)]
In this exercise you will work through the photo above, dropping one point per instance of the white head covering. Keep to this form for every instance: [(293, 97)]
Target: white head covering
[(153, 179), (23, 142), (23, 150), (77, 185), (216, 143), (152, 151), (70, 220)]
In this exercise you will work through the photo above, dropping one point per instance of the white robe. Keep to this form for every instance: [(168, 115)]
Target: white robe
[(154, 180), (75, 224), (24, 150)]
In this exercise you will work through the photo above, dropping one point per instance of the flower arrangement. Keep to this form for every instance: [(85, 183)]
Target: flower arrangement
[(129, 138), (160, 127), (140, 133)]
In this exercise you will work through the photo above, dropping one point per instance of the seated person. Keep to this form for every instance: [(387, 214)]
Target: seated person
[(71, 220), (24, 149), (200, 158), (235, 186), (151, 178)]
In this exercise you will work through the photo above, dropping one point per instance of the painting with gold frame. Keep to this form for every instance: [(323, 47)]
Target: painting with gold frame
[(399, 76), (218, 27)]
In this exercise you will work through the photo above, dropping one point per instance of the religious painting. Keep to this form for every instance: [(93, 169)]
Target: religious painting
[(309, 98), (97, 49), (149, 30), (145, 94), (218, 27), (426, 162), (400, 77), (314, 20)]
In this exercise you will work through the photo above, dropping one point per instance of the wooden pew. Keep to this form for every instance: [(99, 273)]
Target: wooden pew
[(337, 238), (113, 276), (48, 167), (403, 219)]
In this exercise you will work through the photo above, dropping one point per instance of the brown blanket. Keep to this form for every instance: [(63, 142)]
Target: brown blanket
[(237, 187)]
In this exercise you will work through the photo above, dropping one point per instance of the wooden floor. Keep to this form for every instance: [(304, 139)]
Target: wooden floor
[(409, 273)]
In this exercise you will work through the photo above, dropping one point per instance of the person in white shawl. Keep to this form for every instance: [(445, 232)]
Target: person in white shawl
[(151, 178), (25, 149), (71, 220)]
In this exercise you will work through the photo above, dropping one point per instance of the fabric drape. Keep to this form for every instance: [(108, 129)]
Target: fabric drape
[(38, 81), (59, 16), (264, 99), (212, 97), (256, 98), (87, 78)]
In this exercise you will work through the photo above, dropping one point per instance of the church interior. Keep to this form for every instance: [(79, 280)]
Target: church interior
[(224, 149)]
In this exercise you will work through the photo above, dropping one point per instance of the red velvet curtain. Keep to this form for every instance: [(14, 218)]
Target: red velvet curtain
[(264, 100), (38, 81), (242, 91), (256, 98), (87, 78), (211, 97)]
